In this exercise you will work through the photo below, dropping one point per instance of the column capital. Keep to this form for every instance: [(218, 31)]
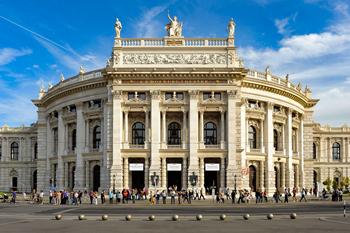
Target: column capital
[(116, 94), (193, 94), (231, 93), (155, 94)]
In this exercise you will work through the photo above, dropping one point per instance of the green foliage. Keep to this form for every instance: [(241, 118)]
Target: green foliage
[(335, 185), (328, 183)]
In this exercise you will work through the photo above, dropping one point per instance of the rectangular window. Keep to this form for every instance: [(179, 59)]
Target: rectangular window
[(217, 96), (141, 96), (179, 95), (206, 95), (131, 95), (55, 140), (168, 95)]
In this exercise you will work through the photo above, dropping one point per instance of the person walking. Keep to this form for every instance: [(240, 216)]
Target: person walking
[(233, 196), (286, 196), (303, 195)]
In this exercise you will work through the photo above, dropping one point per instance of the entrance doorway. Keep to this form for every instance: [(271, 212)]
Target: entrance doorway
[(212, 175), (252, 178), (14, 183), (137, 173), (174, 173), (96, 178), (35, 178)]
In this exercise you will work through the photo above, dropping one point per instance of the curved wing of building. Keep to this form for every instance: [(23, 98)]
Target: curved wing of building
[(173, 112)]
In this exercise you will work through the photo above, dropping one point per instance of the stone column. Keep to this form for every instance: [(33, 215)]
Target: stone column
[(43, 140), (184, 129), (243, 180), (126, 129), (231, 121), (222, 130), (87, 135), (201, 173), (146, 128), (60, 151), (80, 148), (289, 151), (262, 176), (283, 175), (66, 175), (184, 174), (164, 129), (155, 135), (329, 150), (146, 172), (262, 145), (270, 173), (201, 128), (193, 134), (164, 175), (222, 173), (301, 153), (126, 173), (87, 175), (116, 163)]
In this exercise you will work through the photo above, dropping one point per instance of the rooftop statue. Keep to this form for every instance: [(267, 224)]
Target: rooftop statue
[(174, 27), (118, 28), (231, 28)]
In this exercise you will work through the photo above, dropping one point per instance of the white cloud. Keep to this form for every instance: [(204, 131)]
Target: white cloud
[(8, 55), (317, 58), (147, 25), (283, 24)]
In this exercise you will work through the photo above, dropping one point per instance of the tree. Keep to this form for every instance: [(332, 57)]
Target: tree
[(335, 184), (345, 182), (328, 183)]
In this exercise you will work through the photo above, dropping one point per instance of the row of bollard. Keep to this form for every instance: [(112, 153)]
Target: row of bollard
[(175, 217)]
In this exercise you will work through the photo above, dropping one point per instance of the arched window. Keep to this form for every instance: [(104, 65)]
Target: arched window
[(74, 139), (314, 151), (336, 151), (210, 134), (275, 139), (252, 137), (174, 134), (14, 151), (96, 137), (36, 150), (138, 133)]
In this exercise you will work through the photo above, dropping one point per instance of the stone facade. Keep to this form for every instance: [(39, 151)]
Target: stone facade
[(173, 111)]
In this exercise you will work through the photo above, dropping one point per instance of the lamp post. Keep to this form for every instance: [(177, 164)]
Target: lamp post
[(235, 183)]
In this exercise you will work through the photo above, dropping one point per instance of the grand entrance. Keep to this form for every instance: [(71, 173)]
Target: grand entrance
[(174, 173), (252, 178), (137, 173), (211, 175), (96, 178)]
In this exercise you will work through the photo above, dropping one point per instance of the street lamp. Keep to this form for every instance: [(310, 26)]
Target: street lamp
[(193, 179), (235, 183), (113, 183)]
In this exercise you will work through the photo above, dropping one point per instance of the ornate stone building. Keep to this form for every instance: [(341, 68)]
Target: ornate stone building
[(173, 111)]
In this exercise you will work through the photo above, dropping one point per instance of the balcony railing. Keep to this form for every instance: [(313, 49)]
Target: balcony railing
[(188, 42)]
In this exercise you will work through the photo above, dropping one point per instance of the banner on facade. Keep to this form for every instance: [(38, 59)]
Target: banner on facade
[(136, 166), (212, 167), (174, 167)]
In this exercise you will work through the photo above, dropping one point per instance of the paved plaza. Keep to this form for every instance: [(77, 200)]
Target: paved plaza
[(311, 217)]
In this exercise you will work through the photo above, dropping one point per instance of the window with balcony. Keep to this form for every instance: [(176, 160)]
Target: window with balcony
[(174, 134), (275, 139), (96, 137), (14, 151), (210, 134), (168, 95), (336, 151), (138, 133), (252, 137), (206, 95)]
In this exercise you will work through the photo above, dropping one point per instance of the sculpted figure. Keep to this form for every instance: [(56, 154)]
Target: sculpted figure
[(174, 27), (118, 28), (231, 28)]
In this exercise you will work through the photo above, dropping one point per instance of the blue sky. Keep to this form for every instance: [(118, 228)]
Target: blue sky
[(308, 39)]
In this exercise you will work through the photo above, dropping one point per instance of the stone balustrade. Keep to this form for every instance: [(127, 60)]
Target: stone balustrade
[(188, 42)]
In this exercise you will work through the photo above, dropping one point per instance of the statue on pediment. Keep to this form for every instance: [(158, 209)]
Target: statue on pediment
[(174, 27), (231, 28), (118, 28)]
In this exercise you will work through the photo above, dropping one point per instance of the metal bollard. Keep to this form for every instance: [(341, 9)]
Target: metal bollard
[(293, 215), (175, 217), (269, 216), (222, 217), (246, 216), (128, 217), (344, 209), (81, 217), (199, 217), (151, 217), (104, 217), (58, 217)]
